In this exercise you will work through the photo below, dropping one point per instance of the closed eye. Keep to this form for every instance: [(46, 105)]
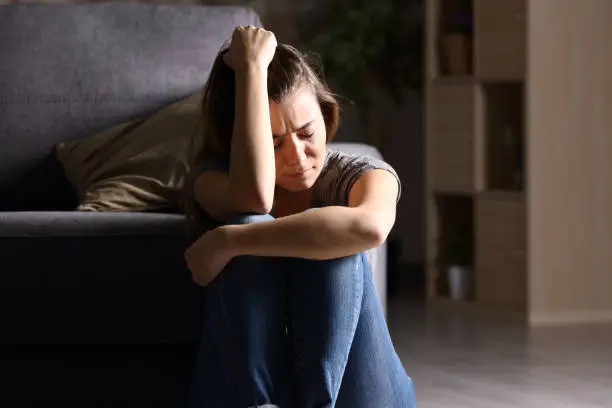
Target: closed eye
[(305, 136), (302, 128)]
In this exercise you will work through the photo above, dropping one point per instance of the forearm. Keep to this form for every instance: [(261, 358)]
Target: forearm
[(323, 233), (252, 171)]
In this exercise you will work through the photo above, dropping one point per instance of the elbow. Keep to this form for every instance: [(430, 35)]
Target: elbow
[(375, 231), (258, 207), (376, 236), (252, 203)]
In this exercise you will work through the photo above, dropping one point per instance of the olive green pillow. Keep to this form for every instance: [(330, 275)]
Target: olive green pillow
[(139, 165)]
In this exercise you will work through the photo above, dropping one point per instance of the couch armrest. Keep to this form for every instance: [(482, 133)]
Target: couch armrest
[(71, 278)]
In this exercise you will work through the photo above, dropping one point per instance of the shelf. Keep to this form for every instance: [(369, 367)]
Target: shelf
[(453, 80), (503, 195)]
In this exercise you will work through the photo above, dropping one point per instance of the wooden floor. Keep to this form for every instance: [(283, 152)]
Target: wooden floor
[(456, 361), (464, 361)]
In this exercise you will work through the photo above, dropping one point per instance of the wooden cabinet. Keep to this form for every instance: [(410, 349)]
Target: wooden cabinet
[(474, 148), (520, 148)]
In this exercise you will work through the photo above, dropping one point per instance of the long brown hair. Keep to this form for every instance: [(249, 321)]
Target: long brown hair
[(288, 70)]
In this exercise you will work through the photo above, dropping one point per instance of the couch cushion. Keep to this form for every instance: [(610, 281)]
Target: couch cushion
[(70, 70), (138, 165), (88, 224)]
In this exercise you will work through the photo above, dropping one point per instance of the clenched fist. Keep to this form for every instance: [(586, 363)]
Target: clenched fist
[(250, 47)]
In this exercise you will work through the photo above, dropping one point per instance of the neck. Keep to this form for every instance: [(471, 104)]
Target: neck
[(289, 202)]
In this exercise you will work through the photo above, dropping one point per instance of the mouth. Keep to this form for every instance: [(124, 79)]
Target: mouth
[(300, 174)]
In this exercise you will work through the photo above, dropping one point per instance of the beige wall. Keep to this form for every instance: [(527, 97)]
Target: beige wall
[(569, 120)]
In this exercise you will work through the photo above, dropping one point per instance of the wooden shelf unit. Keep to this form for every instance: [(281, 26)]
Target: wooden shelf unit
[(474, 145), (495, 152)]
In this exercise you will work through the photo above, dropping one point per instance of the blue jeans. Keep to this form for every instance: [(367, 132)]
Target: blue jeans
[(293, 333)]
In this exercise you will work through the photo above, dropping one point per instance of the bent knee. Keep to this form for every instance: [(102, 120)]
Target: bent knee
[(357, 261), (347, 264), (248, 218), (351, 267)]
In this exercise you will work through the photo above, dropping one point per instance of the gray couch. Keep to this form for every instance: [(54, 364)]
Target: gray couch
[(67, 71)]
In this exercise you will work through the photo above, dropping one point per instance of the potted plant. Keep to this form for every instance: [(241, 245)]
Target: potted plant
[(367, 44), (456, 44)]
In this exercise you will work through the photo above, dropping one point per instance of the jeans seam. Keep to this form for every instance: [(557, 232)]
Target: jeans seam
[(359, 285), (356, 313)]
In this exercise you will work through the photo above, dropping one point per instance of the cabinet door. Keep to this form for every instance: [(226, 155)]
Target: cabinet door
[(500, 39), (501, 275), (456, 137)]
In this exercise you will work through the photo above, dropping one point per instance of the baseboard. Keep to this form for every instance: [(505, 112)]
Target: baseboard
[(570, 317)]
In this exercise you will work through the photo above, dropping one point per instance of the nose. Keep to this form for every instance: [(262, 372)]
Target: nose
[(294, 151)]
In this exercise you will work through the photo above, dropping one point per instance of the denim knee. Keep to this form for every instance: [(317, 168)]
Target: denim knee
[(357, 260), (248, 218)]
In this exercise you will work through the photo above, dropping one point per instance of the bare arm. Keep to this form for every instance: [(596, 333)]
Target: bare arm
[(252, 171), (324, 233), (248, 186)]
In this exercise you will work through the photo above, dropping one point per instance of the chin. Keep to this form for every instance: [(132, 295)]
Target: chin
[(295, 185)]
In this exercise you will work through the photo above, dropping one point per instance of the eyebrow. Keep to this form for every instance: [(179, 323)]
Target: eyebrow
[(304, 126)]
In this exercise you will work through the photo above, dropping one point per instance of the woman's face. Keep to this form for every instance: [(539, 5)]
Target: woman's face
[(298, 129)]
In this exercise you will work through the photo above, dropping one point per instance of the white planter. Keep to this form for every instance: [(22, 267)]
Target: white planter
[(459, 282)]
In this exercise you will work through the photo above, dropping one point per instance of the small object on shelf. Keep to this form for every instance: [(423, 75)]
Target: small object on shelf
[(460, 282), (456, 42), (458, 261), (456, 54)]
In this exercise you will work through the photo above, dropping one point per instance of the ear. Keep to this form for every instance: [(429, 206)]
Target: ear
[(331, 116)]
